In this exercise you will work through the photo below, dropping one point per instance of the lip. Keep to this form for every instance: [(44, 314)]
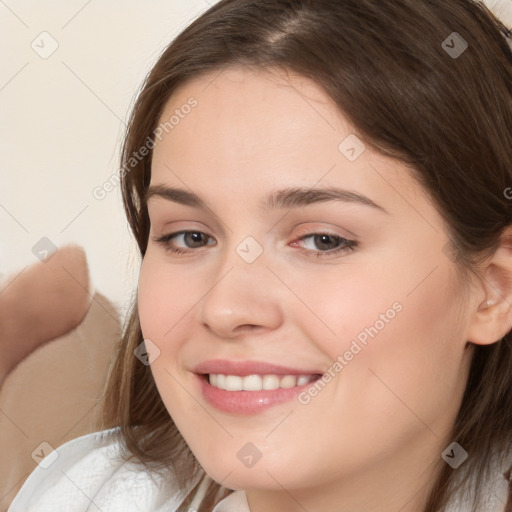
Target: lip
[(247, 402), (244, 368)]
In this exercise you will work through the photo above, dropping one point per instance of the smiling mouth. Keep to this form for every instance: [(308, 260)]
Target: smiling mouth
[(267, 382)]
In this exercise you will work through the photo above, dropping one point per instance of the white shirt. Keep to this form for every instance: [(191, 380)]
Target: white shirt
[(88, 475)]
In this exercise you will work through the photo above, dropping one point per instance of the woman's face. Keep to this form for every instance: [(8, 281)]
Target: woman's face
[(256, 286)]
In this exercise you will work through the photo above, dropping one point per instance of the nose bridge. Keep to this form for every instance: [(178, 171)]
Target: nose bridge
[(243, 291), (245, 258)]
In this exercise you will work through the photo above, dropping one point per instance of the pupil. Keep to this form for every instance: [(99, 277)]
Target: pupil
[(196, 237), (324, 240)]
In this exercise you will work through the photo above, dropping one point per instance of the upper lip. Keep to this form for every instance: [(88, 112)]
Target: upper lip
[(244, 368)]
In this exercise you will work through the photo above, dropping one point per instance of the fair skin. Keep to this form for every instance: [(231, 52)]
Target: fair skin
[(368, 441)]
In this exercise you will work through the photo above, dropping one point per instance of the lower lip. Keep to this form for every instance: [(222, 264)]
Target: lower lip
[(247, 402)]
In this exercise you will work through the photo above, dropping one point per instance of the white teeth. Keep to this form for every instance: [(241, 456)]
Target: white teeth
[(270, 382), (258, 382), (288, 381), (303, 379), (221, 381), (252, 383), (233, 383)]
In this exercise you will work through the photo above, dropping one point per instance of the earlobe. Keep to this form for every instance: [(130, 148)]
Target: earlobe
[(493, 316)]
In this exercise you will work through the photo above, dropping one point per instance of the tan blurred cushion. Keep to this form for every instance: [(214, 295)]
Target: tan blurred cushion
[(53, 395)]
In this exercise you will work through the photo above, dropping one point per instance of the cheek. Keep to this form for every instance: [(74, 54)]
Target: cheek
[(158, 299), (343, 307), (411, 370), (400, 343), (148, 300), (158, 305), (165, 302)]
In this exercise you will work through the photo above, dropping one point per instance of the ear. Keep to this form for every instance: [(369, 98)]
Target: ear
[(493, 315)]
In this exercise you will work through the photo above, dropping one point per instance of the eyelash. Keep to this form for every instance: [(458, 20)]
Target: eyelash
[(346, 245)]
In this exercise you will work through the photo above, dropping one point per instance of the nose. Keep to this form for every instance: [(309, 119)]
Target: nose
[(243, 297)]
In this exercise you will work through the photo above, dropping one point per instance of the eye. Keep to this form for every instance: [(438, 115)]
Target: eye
[(194, 238), (328, 244)]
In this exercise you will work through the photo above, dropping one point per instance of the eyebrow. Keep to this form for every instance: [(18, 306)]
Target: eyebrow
[(291, 197)]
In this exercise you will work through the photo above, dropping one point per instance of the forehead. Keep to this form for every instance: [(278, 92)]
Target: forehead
[(250, 129), (246, 109), (243, 85)]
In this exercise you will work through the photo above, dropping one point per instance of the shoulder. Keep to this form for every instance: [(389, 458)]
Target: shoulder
[(89, 473)]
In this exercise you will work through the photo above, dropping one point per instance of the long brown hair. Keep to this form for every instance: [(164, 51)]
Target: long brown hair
[(384, 64)]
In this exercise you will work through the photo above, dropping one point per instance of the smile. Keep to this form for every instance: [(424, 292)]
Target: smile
[(258, 382)]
